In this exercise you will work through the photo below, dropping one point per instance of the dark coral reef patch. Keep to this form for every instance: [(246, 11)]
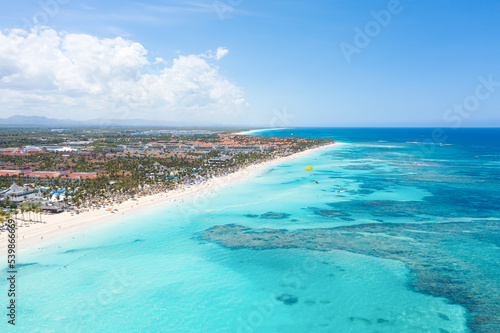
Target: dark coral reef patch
[(424, 248)]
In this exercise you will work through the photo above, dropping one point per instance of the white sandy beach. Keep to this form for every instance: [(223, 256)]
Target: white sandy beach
[(249, 132), (59, 225)]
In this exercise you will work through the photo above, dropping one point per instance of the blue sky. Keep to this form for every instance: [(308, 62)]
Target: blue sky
[(255, 63)]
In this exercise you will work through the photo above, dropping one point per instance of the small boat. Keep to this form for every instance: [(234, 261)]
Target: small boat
[(316, 181)]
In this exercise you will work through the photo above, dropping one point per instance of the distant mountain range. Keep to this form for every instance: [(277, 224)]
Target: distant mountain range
[(37, 121)]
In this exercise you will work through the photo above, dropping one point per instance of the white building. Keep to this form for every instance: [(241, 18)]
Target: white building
[(17, 194)]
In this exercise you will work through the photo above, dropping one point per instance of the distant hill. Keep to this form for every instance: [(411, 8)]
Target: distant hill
[(37, 121)]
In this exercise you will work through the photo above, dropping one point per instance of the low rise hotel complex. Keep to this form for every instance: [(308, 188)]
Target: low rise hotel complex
[(80, 165)]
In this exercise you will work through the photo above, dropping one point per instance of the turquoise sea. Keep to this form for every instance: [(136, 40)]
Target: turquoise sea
[(418, 248)]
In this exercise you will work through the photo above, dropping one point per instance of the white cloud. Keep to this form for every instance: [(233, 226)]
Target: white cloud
[(57, 74), (221, 52)]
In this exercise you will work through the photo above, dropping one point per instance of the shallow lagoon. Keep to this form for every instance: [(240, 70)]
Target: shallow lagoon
[(155, 273)]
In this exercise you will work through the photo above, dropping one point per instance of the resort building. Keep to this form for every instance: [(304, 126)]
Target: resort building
[(44, 177), (10, 173), (218, 160), (54, 208), (83, 175), (17, 194)]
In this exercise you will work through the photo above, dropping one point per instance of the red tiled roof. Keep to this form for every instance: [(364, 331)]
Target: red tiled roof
[(44, 174), (83, 175), (9, 172)]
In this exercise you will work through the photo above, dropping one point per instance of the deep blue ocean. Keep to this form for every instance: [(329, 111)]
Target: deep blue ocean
[(416, 214)]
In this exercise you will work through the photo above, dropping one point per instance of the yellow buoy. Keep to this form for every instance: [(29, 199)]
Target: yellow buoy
[(309, 168)]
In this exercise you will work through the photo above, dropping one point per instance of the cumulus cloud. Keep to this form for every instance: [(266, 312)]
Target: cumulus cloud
[(57, 74), (221, 52)]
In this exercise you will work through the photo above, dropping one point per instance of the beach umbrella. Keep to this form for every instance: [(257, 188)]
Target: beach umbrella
[(309, 168)]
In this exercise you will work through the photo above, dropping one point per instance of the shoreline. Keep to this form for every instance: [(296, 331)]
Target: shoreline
[(261, 129), (59, 225)]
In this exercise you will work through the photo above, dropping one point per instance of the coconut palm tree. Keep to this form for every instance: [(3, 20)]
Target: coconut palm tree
[(22, 211), (30, 210), (15, 213), (3, 216)]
